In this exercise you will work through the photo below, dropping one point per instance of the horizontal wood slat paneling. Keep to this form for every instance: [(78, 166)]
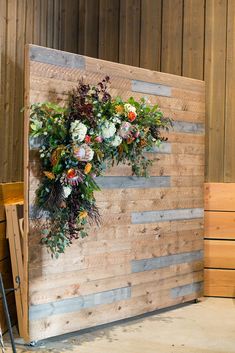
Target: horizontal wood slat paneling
[(193, 38), (150, 242), (220, 239)]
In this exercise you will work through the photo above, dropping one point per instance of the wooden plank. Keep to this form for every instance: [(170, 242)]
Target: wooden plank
[(129, 32), (3, 59), (75, 283), (10, 88), (166, 215), (220, 196), (69, 25), (66, 306), (11, 193), (219, 254), (229, 145), (17, 266), (108, 29), (215, 64), (132, 182), (120, 310), (165, 261), (171, 55), (150, 34), (220, 225), (219, 283), (91, 28), (193, 39), (54, 57), (150, 88)]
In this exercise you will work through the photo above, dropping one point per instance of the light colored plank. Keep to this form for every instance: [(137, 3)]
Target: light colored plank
[(11, 193), (220, 225), (220, 196), (219, 254), (57, 287), (88, 318), (219, 283), (165, 261), (166, 215)]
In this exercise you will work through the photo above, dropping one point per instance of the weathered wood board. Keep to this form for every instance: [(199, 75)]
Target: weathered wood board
[(220, 239), (148, 253)]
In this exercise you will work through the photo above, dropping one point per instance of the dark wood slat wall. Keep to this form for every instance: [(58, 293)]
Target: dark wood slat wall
[(193, 38)]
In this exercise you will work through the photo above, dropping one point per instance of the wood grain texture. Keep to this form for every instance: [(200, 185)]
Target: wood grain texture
[(215, 66), (172, 29), (229, 163), (220, 196), (219, 283), (162, 256), (220, 254), (220, 225), (193, 39)]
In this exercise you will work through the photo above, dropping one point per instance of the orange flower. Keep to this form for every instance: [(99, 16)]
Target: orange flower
[(119, 109), (83, 214), (143, 143), (130, 140), (71, 173), (87, 168), (49, 175), (131, 116)]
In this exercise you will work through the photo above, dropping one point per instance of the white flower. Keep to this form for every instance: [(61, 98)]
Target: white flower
[(67, 191), (116, 120), (83, 153), (78, 131), (129, 108), (117, 141), (108, 129)]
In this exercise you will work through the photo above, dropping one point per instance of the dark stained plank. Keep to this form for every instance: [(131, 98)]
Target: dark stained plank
[(215, 66), (229, 143), (129, 36), (193, 39), (172, 27), (150, 36), (108, 29)]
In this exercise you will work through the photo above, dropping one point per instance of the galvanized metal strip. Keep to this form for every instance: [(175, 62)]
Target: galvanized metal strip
[(128, 182), (56, 57), (165, 261), (186, 289), (166, 215), (187, 127), (150, 88), (37, 312)]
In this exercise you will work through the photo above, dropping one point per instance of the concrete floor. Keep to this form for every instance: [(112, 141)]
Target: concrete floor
[(205, 327)]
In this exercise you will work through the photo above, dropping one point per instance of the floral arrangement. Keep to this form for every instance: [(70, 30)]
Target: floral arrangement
[(78, 143)]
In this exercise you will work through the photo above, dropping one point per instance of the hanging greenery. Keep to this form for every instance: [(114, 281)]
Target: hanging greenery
[(78, 143)]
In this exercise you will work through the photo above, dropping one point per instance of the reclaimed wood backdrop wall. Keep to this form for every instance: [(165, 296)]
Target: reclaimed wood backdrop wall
[(194, 38), (148, 252)]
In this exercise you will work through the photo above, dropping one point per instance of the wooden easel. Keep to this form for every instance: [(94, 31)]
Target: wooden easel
[(14, 217)]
